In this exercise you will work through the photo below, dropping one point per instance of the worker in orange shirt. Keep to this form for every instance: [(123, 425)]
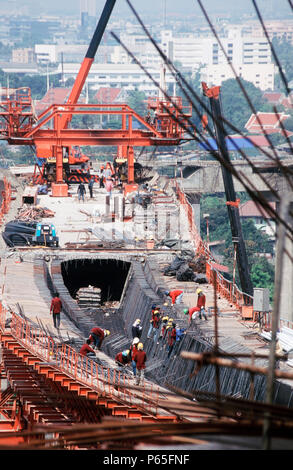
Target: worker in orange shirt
[(86, 350), (55, 310), (97, 336), (140, 360), (191, 312), (123, 358), (175, 295)]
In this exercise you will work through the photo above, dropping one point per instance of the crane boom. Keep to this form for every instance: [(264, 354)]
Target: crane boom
[(89, 58), (242, 261)]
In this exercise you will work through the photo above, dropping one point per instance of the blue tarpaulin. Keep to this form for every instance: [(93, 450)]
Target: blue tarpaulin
[(233, 143)]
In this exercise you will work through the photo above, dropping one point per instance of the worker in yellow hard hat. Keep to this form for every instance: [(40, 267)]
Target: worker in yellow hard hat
[(201, 304), (163, 328), (97, 336)]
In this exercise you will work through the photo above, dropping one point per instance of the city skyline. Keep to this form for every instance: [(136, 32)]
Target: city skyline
[(152, 7)]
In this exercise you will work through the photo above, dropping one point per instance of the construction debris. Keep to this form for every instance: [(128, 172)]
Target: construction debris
[(28, 213), (185, 267), (89, 297)]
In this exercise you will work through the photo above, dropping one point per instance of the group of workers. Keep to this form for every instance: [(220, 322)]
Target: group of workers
[(163, 330), (96, 338), (108, 179)]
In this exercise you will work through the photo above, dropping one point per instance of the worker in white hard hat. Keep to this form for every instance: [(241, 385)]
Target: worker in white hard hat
[(133, 350), (140, 359), (136, 329)]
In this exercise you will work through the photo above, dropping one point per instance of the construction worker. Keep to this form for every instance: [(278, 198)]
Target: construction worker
[(109, 185), (55, 310), (133, 349), (81, 191), (91, 187), (175, 296), (86, 350), (171, 338), (192, 312), (123, 358), (97, 336), (163, 328), (108, 171), (101, 176), (148, 117), (140, 360), (201, 303), (136, 329), (180, 332), (165, 333), (154, 322)]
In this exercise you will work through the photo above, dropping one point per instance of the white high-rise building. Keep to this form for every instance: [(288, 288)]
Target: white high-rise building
[(88, 6)]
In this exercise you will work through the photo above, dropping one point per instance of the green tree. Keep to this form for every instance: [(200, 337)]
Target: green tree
[(256, 241), (262, 275), (137, 101), (235, 107), (284, 51)]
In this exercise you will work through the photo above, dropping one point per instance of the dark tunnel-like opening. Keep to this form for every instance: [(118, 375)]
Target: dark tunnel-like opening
[(107, 274)]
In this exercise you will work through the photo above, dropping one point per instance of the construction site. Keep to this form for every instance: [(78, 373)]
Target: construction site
[(113, 256)]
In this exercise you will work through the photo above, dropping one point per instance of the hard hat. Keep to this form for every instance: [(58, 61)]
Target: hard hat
[(166, 292), (106, 332), (165, 318), (140, 346), (137, 320), (125, 353), (166, 304), (185, 311), (135, 340), (153, 306), (198, 291), (170, 320)]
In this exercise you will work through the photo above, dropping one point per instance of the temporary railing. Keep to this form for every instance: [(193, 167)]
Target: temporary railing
[(226, 288), (6, 199), (105, 381)]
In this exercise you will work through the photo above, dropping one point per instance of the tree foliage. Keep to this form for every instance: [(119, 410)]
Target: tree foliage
[(284, 51), (137, 101), (235, 107), (257, 243)]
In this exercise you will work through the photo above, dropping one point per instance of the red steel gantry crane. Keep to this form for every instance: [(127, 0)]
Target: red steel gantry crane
[(50, 133)]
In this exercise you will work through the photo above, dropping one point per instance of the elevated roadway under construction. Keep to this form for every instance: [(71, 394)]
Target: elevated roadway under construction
[(31, 275)]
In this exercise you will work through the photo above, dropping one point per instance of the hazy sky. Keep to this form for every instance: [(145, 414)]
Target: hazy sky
[(182, 7)]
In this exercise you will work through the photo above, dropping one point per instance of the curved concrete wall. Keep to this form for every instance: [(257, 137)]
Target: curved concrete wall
[(145, 287)]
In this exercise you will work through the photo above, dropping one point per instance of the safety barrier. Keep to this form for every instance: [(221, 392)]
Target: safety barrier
[(6, 199), (108, 382), (224, 287)]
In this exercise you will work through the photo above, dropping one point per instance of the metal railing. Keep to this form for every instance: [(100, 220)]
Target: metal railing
[(106, 381), (6, 199), (224, 287)]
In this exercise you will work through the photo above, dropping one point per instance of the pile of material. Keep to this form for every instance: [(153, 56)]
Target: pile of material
[(19, 233), (29, 213), (89, 297), (186, 267)]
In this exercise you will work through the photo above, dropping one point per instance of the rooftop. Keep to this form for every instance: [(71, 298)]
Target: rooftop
[(251, 209)]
